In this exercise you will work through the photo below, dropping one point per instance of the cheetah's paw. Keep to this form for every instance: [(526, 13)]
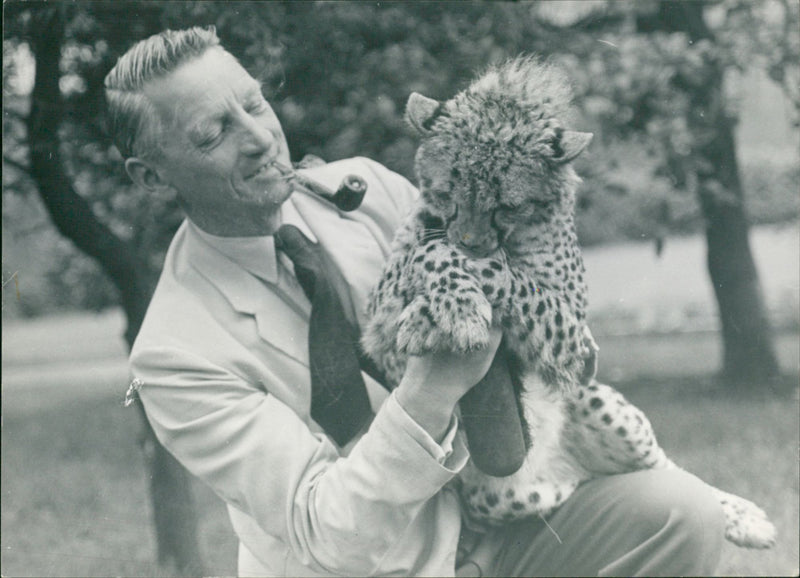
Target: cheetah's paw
[(746, 524), (466, 325), (425, 327)]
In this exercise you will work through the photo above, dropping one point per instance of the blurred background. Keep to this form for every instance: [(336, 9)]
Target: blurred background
[(688, 216)]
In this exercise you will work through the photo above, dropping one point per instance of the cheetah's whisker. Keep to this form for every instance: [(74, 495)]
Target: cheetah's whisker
[(430, 234)]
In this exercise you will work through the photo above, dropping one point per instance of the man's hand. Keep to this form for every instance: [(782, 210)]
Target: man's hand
[(433, 384)]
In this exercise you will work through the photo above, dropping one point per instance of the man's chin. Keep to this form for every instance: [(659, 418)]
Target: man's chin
[(279, 193), (269, 194)]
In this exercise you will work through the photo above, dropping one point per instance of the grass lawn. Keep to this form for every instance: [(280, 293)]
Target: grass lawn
[(74, 492), (743, 443), (75, 502)]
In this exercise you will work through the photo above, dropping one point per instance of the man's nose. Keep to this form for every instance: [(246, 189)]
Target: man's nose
[(257, 139)]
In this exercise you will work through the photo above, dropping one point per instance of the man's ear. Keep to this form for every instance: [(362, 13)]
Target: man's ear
[(145, 175)]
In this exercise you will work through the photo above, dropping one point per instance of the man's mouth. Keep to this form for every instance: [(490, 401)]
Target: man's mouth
[(268, 169)]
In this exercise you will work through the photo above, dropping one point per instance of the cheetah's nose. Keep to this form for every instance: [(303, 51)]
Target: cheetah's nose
[(475, 246), (469, 242)]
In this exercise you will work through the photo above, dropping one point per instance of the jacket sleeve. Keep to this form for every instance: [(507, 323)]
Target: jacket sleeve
[(337, 514)]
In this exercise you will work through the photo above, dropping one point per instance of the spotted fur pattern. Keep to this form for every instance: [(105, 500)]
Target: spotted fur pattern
[(493, 242)]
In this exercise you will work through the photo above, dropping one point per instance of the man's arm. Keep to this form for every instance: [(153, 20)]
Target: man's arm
[(336, 514)]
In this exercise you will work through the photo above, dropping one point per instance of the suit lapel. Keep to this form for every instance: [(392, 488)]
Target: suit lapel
[(349, 239), (277, 322)]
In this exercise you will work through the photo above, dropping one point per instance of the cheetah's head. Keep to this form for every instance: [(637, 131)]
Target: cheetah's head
[(494, 161)]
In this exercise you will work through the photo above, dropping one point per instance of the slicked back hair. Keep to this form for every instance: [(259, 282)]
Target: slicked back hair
[(132, 120)]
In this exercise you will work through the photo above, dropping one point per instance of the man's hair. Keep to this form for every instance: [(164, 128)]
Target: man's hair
[(133, 123)]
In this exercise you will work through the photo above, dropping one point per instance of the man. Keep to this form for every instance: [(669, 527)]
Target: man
[(223, 359)]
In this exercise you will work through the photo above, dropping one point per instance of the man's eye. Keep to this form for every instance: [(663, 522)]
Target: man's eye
[(212, 137), (257, 107), (207, 141)]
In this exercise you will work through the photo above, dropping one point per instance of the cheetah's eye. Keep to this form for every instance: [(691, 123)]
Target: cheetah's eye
[(439, 196), (507, 209), (505, 214)]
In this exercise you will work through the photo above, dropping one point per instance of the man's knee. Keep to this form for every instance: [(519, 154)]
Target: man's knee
[(658, 496), (677, 510), (664, 523)]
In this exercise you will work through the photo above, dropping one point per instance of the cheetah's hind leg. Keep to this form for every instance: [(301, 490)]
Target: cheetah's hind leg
[(746, 524), (491, 502), (608, 435)]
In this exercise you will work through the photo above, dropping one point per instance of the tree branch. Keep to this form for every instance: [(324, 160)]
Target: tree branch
[(17, 165), (70, 212)]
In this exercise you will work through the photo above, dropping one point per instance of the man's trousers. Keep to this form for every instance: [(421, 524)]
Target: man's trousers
[(647, 523)]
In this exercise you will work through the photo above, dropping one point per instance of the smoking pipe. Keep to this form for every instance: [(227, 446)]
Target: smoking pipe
[(347, 197)]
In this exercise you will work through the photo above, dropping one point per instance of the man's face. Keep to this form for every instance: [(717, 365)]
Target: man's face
[(220, 136)]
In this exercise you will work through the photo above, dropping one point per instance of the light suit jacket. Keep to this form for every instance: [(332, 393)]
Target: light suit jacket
[(226, 387)]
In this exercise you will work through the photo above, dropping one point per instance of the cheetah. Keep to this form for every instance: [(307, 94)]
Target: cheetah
[(492, 242)]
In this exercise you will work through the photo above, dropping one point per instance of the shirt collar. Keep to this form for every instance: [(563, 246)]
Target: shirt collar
[(257, 254)]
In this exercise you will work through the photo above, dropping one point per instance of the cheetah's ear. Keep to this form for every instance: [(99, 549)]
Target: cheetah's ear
[(569, 144), (422, 111)]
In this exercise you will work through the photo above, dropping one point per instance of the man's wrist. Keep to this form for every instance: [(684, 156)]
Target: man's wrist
[(430, 406), (433, 384)]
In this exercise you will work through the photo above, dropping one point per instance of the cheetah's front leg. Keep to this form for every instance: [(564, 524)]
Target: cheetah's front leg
[(447, 311), (544, 326)]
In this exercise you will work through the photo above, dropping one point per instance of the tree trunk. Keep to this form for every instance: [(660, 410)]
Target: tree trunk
[(749, 355), (748, 350), (174, 512)]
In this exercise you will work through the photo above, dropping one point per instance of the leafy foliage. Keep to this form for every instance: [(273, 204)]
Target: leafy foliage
[(339, 73)]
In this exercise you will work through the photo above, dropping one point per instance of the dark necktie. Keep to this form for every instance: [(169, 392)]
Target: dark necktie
[(339, 401)]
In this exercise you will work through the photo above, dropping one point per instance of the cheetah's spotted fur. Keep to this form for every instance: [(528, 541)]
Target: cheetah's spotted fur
[(493, 241)]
